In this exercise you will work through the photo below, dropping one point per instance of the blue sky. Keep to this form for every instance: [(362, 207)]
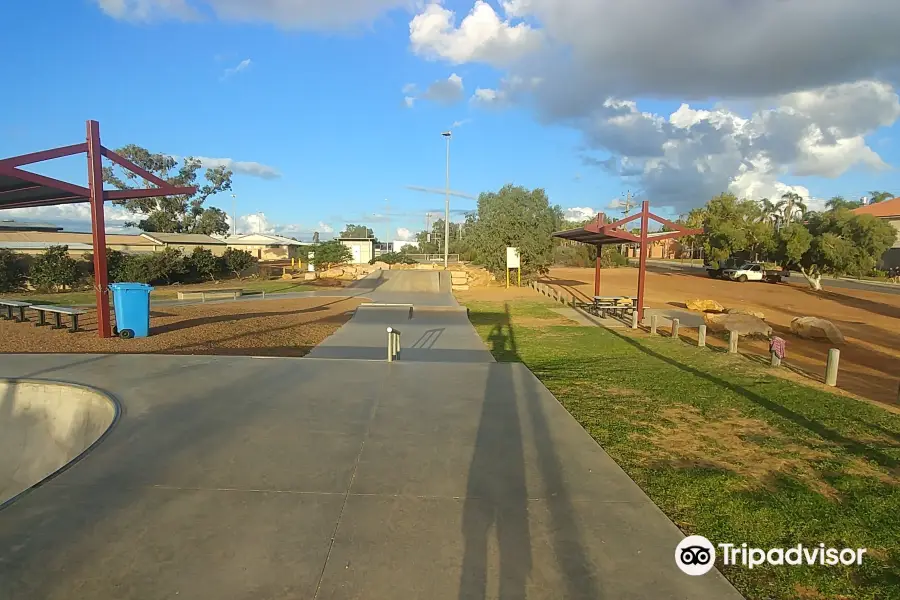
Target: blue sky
[(324, 109)]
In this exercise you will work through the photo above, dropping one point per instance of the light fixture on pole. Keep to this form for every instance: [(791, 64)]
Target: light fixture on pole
[(448, 135)]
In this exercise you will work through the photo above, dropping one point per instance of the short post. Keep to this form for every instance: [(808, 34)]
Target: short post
[(390, 344), (634, 319), (831, 367), (733, 342), (654, 322), (701, 336), (676, 325)]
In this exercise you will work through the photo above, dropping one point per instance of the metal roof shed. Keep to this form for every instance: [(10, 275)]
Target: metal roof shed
[(24, 189), (599, 233)]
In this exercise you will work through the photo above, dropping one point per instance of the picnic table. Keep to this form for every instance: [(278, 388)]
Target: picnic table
[(614, 304), (15, 304), (58, 312), (233, 292)]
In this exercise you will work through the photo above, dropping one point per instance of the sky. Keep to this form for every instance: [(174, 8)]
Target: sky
[(326, 110)]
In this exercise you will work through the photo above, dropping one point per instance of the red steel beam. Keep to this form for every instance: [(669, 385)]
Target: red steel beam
[(24, 188), (642, 271), (98, 227), (34, 157), (45, 181), (147, 175), (148, 193)]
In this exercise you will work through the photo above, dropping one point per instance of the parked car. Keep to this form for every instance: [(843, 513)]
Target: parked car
[(754, 272)]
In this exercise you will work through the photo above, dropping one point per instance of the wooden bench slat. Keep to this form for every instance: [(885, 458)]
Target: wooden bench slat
[(64, 310)]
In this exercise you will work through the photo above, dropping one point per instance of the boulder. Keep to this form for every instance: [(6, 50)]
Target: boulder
[(705, 306), (814, 328), (287, 276), (746, 325), (309, 276), (381, 265), (741, 310), (333, 273)]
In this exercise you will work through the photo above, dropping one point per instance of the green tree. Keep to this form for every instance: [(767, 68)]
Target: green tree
[(791, 206), (54, 269), (172, 214), (12, 271), (732, 226), (330, 253), (237, 261), (357, 231), (518, 217), (876, 197), (838, 202), (205, 263), (166, 265)]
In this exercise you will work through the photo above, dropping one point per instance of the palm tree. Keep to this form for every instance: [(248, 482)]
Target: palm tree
[(876, 197), (791, 206), (769, 212), (838, 202)]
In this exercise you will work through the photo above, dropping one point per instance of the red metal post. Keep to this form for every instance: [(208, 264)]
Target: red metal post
[(98, 226), (642, 270), (597, 273)]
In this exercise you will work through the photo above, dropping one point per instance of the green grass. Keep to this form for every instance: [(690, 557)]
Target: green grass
[(163, 292), (726, 449)]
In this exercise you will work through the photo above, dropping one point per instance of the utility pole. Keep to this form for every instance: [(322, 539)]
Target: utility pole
[(448, 135)]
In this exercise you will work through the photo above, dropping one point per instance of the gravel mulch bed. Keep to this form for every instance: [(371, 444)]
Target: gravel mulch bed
[(250, 328)]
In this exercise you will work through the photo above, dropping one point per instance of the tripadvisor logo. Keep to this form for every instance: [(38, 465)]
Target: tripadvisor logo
[(696, 555)]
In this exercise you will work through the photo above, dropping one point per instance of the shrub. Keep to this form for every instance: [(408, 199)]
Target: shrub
[(330, 253), (393, 258), (205, 264), (237, 261), (54, 270), (611, 258), (12, 271)]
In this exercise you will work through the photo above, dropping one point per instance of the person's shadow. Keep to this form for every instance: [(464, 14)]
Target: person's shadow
[(496, 495)]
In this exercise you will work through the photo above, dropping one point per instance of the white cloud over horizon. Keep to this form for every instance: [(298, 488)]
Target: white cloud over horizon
[(253, 169)]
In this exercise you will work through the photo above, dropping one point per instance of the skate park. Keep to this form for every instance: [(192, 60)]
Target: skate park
[(440, 475)]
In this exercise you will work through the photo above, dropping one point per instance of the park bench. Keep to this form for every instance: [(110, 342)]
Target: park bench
[(615, 304), (58, 312), (233, 292), (15, 304)]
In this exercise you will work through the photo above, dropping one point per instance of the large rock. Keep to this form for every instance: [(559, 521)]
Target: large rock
[(308, 276), (814, 328), (332, 273), (746, 325), (705, 306), (381, 265), (742, 310)]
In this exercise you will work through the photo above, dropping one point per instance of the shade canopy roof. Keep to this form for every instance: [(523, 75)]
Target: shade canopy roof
[(601, 238), (600, 233), (16, 192)]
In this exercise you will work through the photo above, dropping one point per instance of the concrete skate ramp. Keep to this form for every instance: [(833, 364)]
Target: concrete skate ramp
[(427, 282), (43, 427)]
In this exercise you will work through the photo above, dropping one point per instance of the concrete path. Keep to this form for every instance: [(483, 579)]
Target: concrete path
[(238, 478)]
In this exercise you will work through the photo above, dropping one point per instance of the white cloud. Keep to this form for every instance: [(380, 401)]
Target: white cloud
[(253, 169), (579, 213), (74, 217), (481, 36), (241, 66), (460, 123), (404, 234), (325, 228), (288, 14), (443, 91)]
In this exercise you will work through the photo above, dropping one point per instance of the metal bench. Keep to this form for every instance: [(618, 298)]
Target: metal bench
[(58, 312), (233, 292), (15, 304)]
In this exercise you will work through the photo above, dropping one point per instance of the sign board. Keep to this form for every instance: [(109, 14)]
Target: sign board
[(512, 258)]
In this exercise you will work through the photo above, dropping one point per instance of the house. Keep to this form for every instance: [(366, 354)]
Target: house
[(889, 210), (655, 249), (266, 247), (33, 243), (186, 242), (363, 249), (10, 225)]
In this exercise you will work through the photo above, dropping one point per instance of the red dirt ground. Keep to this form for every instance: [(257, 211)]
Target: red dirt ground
[(870, 321)]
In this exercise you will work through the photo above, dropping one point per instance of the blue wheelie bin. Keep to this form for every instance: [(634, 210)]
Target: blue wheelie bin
[(132, 304)]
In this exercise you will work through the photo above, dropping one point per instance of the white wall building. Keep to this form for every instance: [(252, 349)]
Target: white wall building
[(361, 248)]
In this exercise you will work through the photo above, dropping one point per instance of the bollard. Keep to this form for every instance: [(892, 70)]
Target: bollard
[(654, 321), (393, 344), (676, 325), (733, 342), (831, 367), (701, 336), (634, 319)]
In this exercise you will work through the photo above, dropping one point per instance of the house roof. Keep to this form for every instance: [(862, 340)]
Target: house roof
[(63, 238), (600, 239), (884, 210), (256, 239), (356, 239), (182, 238)]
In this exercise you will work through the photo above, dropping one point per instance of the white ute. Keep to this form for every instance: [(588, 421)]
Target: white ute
[(747, 272)]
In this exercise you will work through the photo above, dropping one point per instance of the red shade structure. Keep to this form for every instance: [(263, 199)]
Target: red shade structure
[(599, 234), (23, 189)]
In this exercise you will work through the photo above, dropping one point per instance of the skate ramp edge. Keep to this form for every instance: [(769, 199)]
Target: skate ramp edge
[(44, 427)]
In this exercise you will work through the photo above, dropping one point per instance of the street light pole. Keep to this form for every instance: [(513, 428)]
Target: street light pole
[(234, 214), (448, 135)]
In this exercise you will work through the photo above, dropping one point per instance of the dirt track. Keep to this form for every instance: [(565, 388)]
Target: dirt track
[(255, 328), (870, 321)]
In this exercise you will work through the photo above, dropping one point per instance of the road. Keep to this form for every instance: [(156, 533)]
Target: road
[(795, 279)]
